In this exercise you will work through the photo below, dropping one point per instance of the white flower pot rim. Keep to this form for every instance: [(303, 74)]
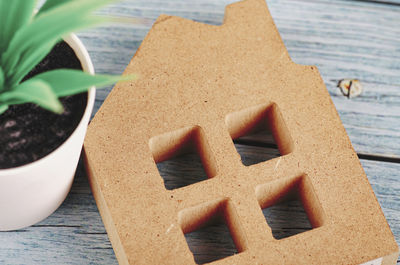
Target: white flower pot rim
[(75, 43)]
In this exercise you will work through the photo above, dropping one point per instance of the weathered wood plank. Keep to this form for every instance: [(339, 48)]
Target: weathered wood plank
[(383, 2), (74, 234), (343, 38)]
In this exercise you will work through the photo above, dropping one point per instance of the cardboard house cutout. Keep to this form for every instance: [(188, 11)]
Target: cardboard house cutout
[(199, 87)]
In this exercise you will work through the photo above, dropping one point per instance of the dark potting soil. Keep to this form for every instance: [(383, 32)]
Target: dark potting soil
[(28, 132)]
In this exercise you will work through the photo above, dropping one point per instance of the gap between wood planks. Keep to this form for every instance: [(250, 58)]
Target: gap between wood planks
[(366, 156), (379, 2), (390, 3)]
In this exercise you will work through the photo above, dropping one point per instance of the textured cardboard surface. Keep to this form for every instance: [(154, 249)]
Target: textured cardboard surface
[(200, 86)]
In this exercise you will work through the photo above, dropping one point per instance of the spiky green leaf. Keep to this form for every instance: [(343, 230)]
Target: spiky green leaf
[(49, 4), (19, 66), (35, 91), (14, 14), (24, 42), (25, 66), (3, 108), (67, 82), (1, 79), (63, 20)]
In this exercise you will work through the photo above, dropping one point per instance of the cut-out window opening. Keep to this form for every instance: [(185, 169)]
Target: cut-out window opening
[(259, 133), (212, 231), (183, 157), (290, 206)]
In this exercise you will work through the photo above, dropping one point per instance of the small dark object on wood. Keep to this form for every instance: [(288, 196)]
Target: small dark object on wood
[(350, 88)]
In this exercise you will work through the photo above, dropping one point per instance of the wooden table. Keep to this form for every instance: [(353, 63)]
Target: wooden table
[(345, 39)]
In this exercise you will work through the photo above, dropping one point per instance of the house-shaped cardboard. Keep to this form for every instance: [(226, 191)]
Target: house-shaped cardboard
[(199, 87)]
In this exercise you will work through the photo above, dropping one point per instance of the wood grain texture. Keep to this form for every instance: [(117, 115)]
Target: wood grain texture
[(345, 39), (74, 234), (355, 39)]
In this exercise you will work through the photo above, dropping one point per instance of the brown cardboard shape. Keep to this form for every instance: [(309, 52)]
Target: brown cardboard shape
[(199, 87)]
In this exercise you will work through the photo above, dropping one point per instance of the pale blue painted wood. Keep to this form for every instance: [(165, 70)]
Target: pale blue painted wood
[(74, 234), (343, 38)]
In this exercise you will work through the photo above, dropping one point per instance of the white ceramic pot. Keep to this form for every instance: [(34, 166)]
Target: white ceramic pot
[(30, 193)]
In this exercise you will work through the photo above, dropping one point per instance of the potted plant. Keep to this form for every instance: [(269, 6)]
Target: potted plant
[(45, 104)]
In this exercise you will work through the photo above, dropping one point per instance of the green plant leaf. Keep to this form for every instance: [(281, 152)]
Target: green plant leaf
[(34, 58), (1, 79), (63, 20), (35, 91), (68, 82), (19, 66), (3, 108), (14, 14), (24, 42), (49, 4)]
